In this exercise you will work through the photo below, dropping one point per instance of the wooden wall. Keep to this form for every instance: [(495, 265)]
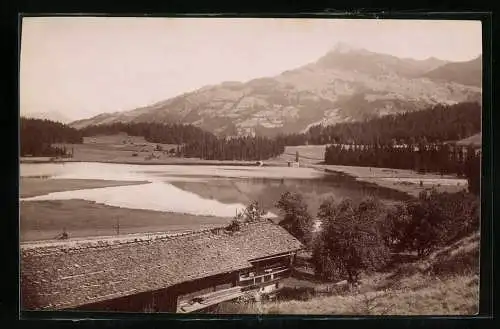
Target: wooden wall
[(164, 300)]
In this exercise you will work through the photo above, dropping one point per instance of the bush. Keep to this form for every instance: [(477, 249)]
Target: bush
[(434, 220), (253, 212), (234, 225), (353, 239)]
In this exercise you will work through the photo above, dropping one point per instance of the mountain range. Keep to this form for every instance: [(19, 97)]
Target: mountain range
[(346, 84)]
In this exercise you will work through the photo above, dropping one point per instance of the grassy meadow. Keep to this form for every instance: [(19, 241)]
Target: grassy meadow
[(44, 220)]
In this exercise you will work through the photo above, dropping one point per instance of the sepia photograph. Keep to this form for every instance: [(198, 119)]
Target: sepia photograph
[(271, 166)]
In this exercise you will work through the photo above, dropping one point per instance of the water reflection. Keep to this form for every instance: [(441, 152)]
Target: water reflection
[(203, 190)]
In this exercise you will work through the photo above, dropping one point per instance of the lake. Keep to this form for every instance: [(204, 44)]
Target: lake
[(217, 191)]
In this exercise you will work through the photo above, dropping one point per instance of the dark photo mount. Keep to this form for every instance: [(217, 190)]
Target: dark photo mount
[(265, 271)]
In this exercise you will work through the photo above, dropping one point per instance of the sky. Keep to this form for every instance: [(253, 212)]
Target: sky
[(84, 66)]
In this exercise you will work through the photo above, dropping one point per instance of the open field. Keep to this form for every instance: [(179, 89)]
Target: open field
[(444, 283), (44, 220), (29, 186)]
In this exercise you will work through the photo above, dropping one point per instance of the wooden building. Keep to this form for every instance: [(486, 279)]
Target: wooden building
[(160, 273), (474, 142)]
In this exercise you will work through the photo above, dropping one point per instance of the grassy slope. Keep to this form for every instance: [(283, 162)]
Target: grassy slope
[(445, 283), (457, 295)]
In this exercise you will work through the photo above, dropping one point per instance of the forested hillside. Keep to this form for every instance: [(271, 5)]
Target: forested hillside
[(152, 132), (194, 142), (436, 124), (241, 148), (37, 137)]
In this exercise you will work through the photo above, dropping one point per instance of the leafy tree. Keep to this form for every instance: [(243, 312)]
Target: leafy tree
[(398, 219), (252, 213), (351, 241), (297, 219), (473, 172)]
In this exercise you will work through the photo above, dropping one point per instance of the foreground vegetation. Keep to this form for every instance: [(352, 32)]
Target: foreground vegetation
[(417, 257), (420, 295)]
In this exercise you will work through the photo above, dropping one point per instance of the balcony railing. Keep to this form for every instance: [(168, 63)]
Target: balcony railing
[(271, 273)]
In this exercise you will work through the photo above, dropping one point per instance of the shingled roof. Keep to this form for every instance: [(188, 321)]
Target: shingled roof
[(66, 276)]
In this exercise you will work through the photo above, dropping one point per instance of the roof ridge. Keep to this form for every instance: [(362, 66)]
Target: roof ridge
[(95, 242), (84, 244)]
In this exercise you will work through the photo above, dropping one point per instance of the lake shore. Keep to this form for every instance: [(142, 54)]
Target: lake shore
[(311, 156), (35, 186), (407, 181), (170, 161)]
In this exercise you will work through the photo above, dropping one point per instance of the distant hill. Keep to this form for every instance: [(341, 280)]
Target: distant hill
[(466, 73), (346, 84), (53, 116)]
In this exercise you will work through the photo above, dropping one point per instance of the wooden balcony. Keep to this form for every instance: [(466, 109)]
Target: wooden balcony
[(245, 285)]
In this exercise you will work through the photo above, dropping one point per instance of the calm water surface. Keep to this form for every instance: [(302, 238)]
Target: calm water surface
[(201, 190)]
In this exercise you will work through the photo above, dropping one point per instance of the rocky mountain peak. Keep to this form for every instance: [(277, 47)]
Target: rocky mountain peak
[(346, 84), (346, 48)]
